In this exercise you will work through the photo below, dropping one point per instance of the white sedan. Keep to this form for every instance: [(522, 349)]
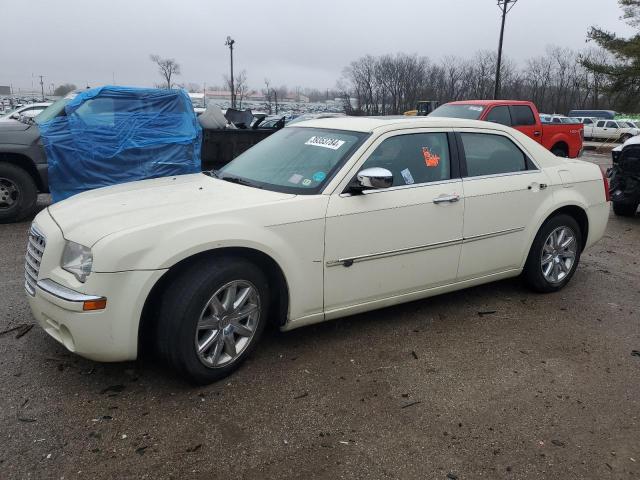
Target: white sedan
[(321, 220)]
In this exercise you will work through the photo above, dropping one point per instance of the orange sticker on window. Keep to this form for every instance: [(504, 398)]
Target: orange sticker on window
[(430, 159)]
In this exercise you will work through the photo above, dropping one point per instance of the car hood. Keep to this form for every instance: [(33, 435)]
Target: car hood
[(10, 125), (87, 217)]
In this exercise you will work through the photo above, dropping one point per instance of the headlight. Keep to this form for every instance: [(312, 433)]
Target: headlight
[(78, 260)]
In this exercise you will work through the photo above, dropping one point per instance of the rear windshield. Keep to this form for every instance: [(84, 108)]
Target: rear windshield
[(471, 112)]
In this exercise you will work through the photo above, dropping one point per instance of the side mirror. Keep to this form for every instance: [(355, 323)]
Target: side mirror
[(375, 178), (15, 116)]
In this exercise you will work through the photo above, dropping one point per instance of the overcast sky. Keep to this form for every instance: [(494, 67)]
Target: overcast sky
[(292, 42)]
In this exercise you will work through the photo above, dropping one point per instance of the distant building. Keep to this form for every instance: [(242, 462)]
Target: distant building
[(5, 90)]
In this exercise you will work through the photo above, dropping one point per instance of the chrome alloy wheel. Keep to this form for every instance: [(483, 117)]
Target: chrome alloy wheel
[(9, 193), (227, 323), (558, 254)]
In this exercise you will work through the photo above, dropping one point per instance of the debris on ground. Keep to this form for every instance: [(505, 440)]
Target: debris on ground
[(486, 312), (113, 388), (195, 448), (411, 404), (414, 354), (21, 330)]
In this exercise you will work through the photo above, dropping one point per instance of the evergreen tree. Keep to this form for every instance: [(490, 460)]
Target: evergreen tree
[(624, 73)]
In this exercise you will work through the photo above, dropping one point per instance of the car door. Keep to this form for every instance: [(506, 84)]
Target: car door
[(400, 240), (600, 130), (524, 121), (503, 189)]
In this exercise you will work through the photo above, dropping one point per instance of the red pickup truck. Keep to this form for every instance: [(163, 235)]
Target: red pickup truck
[(564, 140)]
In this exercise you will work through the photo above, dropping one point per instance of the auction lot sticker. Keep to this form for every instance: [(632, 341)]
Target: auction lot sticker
[(325, 142)]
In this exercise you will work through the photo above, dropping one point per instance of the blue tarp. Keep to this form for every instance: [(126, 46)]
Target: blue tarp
[(111, 135)]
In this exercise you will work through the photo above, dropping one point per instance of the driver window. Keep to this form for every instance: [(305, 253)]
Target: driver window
[(413, 158)]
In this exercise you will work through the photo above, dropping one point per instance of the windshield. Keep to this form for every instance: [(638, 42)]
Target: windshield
[(294, 159), (53, 110), (471, 112)]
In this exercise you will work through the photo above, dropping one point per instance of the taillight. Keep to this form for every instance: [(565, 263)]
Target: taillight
[(605, 181)]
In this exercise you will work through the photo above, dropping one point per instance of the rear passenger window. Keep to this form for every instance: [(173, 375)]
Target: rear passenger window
[(587, 121), (488, 154), (522, 115), (413, 158), (500, 115), (600, 124)]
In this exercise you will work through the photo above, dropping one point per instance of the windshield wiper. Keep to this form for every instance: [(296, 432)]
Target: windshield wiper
[(238, 180), (211, 173)]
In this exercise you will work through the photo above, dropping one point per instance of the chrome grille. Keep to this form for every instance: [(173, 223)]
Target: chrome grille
[(35, 250)]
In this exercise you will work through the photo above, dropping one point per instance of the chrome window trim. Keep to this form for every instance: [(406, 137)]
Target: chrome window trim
[(403, 187), (497, 175), (347, 262), (64, 293)]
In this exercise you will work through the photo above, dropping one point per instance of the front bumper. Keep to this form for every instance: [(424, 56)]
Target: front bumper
[(57, 301), (108, 335)]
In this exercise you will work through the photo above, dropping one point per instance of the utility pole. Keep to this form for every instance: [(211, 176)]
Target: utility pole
[(505, 7), (42, 86), (230, 41)]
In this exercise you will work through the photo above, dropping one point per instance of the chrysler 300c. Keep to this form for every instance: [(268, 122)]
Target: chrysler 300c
[(323, 219)]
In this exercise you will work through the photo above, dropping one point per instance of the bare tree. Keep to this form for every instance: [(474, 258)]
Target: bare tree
[(167, 67), (240, 86)]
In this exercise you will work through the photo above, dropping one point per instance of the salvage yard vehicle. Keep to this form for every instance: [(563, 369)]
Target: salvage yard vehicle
[(24, 166), (625, 179), (321, 220), (563, 140), (611, 130)]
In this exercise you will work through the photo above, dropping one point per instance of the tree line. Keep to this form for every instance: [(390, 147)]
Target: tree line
[(556, 82)]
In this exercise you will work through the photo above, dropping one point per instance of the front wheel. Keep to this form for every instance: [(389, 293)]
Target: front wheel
[(554, 254), (211, 317), (18, 193)]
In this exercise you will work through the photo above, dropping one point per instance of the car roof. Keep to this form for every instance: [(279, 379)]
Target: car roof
[(371, 124), (489, 102)]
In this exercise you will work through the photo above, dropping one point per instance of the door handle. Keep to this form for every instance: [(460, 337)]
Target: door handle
[(541, 186), (536, 133), (447, 198)]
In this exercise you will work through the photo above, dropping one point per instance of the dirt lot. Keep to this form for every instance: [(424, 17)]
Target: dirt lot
[(492, 382)]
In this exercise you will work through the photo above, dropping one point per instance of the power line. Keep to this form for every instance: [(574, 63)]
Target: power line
[(505, 7)]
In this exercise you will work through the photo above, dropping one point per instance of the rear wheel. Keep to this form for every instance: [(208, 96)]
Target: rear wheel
[(560, 152), (18, 193), (211, 317), (625, 209), (625, 137), (554, 254)]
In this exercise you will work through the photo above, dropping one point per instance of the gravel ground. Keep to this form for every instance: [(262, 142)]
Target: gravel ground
[(491, 382)]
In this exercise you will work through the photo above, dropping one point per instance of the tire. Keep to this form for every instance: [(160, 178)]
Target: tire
[(625, 137), (559, 152), (18, 193), (186, 304), (533, 273), (625, 209)]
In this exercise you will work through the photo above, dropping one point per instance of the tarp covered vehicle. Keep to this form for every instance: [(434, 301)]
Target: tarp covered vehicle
[(110, 135), (624, 179)]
